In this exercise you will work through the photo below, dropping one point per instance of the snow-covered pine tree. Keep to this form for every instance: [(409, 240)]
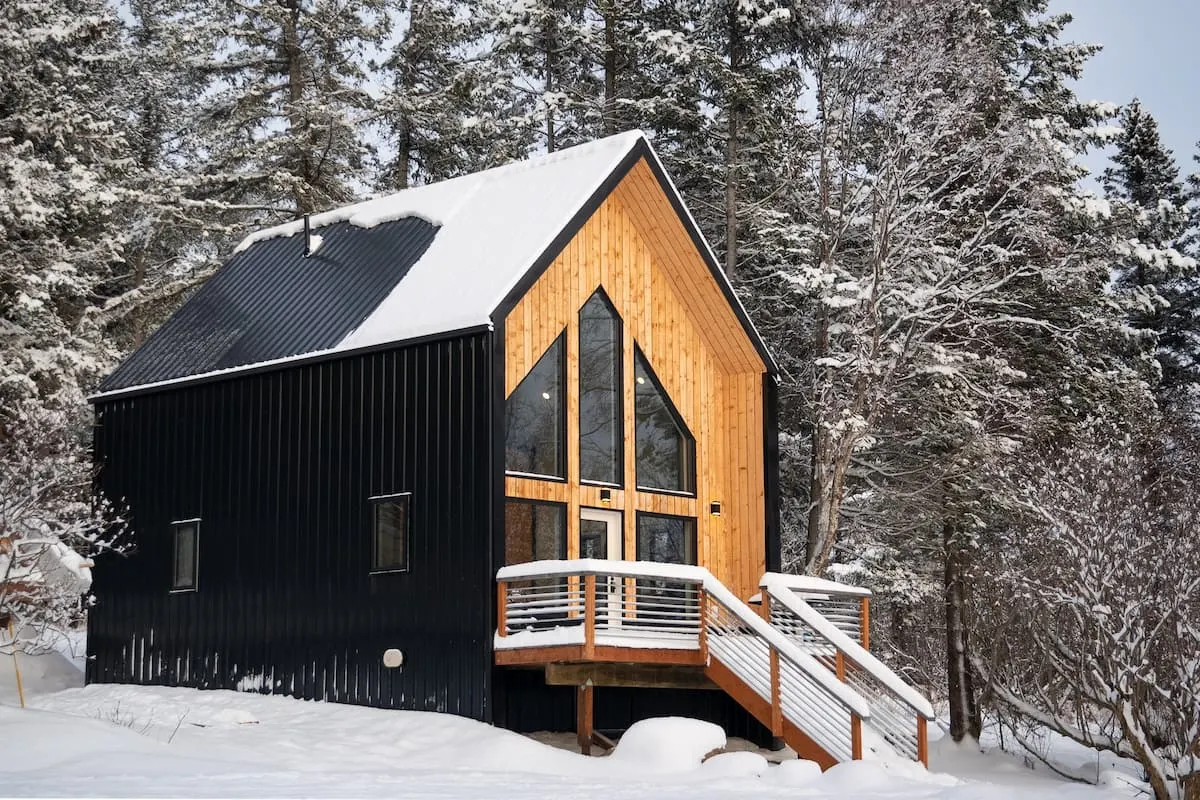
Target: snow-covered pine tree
[(1160, 281), (63, 157), (447, 108), (278, 129)]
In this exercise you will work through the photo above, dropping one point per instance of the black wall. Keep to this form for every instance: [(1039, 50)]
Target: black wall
[(279, 466)]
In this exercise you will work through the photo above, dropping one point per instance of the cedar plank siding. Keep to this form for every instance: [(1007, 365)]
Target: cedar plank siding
[(279, 466)]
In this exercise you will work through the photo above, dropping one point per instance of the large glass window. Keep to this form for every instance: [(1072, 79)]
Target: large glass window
[(599, 392), (665, 448), (535, 421), (666, 540), (534, 531)]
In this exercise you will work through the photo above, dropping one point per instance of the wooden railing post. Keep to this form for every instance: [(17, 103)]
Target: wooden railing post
[(589, 616), (864, 622), (764, 609), (501, 608), (855, 737), (703, 623), (839, 666), (922, 741)]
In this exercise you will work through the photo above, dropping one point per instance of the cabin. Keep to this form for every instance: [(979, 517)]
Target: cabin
[(502, 446)]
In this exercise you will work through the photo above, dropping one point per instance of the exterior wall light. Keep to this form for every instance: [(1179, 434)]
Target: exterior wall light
[(606, 496), (714, 508)]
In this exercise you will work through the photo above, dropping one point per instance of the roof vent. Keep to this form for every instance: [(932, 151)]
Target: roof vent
[(311, 241)]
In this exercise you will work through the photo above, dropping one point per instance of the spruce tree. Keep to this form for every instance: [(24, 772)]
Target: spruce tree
[(1160, 281), (63, 163)]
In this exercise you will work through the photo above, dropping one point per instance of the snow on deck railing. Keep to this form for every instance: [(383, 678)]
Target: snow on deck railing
[(779, 592), (810, 585)]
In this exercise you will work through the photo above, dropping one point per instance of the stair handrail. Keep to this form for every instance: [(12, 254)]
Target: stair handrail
[(781, 591), (813, 585)]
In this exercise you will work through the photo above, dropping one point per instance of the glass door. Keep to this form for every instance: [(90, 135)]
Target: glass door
[(600, 537)]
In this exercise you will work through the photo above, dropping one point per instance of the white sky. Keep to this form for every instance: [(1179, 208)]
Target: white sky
[(1151, 51)]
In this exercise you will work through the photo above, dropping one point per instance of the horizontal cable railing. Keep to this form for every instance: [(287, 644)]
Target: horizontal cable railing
[(898, 712), (596, 602), (847, 607)]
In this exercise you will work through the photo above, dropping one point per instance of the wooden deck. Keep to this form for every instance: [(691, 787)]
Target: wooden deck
[(593, 623)]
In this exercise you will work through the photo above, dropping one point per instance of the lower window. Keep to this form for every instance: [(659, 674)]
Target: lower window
[(392, 521), (534, 531), (666, 540), (186, 554)]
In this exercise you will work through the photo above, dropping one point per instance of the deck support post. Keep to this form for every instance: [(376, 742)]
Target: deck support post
[(584, 704), (855, 737), (922, 741), (589, 617)]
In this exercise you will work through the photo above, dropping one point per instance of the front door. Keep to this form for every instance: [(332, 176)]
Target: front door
[(600, 536)]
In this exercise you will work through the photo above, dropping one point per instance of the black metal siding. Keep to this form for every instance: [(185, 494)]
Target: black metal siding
[(279, 467), (270, 301)]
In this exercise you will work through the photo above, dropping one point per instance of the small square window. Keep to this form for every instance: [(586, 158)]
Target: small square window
[(392, 517), (186, 554)]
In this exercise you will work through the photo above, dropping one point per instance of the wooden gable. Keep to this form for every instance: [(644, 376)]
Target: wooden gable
[(637, 249)]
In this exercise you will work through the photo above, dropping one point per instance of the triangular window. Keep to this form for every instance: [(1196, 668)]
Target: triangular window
[(666, 451), (535, 419), (600, 428)]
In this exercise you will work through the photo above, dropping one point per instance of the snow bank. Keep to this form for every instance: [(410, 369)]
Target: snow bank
[(130, 741), (668, 744)]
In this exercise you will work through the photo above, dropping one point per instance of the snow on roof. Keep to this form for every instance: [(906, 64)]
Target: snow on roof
[(493, 226)]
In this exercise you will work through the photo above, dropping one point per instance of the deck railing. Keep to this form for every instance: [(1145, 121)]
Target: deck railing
[(578, 610), (847, 607), (899, 714)]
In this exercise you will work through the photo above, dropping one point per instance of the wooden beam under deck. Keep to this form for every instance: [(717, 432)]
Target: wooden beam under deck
[(637, 676), (578, 654)]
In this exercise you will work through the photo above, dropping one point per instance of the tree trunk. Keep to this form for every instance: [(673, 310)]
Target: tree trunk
[(731, 148), (965, 718), (302, 169), (609, 113), (548, 67)]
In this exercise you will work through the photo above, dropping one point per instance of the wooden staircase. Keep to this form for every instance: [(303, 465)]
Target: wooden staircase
[(790, 667)]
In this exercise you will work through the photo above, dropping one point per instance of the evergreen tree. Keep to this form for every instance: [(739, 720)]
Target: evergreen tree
[(63, 162), (277, 131), (447, 109), (1159, 279)]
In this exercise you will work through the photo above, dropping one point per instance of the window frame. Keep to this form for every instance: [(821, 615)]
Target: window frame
[(619, 391), (563, 510), (383, 499), (564, 391), (695, 534), (177, 526), (688, 436)]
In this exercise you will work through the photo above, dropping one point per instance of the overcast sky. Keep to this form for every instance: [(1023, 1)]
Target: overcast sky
[(1151, 51)]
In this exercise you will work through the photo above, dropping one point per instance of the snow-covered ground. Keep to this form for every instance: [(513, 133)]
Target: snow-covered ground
[(138, 741)]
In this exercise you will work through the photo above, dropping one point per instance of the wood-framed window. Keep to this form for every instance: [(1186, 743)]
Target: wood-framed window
[(534, 530), (391, 528), (601, 427), (666, 539), (535, 428), (666, 449), (185, 555)]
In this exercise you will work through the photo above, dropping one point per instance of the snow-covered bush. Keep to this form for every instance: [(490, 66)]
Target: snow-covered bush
[(49, 532), (1093, 611)]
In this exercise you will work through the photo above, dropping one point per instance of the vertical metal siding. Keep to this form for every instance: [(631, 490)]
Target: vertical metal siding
[(278, 466)]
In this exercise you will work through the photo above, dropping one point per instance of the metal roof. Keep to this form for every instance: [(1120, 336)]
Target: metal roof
[(271, 302)]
